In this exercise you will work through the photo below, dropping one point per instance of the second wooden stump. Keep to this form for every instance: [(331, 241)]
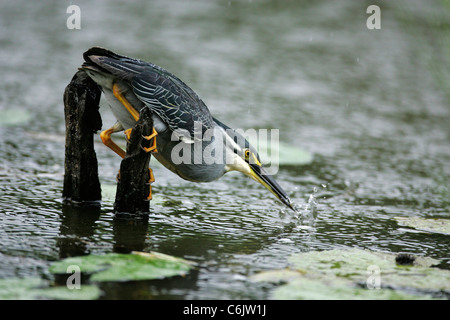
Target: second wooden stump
[(133, 186)]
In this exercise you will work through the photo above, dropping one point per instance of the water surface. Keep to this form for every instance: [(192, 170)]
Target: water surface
[(370, 106)]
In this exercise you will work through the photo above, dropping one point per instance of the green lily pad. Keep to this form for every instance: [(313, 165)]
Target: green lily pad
[(10, 117), (85, 292), (126, 267), (349, 274), (18, 288), (351, 262), (36, 288), (284, 153), (430, 225), (291, 155)]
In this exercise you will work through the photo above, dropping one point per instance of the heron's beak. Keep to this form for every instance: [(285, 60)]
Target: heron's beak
[(258, 173)]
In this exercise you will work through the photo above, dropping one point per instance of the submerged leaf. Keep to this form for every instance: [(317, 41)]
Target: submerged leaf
[(291, 155), (11, 117), (283, 153), (429, 225), (314, 289)]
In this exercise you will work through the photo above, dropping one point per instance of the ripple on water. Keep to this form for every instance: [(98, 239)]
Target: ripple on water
[(380, 147)]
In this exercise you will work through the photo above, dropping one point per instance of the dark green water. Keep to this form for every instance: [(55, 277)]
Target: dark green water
[(371, 106)]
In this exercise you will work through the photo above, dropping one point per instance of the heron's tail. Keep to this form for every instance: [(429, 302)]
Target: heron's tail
[(106, 61), (99, 51)]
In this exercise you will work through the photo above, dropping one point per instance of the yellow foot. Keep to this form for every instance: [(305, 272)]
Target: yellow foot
[(150, 181), (106, 139), (152, 148)]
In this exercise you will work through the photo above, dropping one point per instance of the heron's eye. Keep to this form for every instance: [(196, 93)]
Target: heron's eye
[(247, 154)]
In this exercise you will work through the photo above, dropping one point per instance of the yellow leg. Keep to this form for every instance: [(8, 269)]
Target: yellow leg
[(118, 94), (106, 139), (107, 133), (150, 181)]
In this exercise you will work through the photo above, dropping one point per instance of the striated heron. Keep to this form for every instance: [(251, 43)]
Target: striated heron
[(181, 121)]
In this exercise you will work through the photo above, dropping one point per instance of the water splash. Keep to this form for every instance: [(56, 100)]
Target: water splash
[(309, 212), (305, 214)]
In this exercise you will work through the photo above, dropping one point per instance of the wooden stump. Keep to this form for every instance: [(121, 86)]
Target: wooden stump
[(133, 185), (81, 105)]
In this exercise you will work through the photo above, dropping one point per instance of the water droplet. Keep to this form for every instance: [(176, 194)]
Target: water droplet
[(285, 240), (239, 277)]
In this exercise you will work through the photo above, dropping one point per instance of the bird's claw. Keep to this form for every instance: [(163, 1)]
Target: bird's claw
[(128, 133), (152, 148)]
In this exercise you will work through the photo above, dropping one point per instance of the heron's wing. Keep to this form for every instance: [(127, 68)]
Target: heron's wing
[(176, 103)]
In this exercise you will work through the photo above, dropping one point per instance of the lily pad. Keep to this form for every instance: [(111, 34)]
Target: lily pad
[(429, 225), (349, 274), (10, 117), (351, 262), (291, 155), (277, 276), (36, 288), (126, 267), (313, 289)]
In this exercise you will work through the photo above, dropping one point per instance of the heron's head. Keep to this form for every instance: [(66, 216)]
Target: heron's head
[(247, 161)]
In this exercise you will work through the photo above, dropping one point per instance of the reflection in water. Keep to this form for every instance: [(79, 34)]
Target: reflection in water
[(78, 224), (129, 233)]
